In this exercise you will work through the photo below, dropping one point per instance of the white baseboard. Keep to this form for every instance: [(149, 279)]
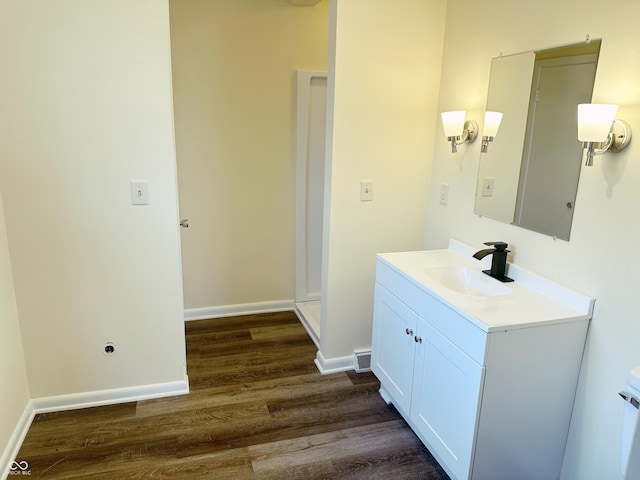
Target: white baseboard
[(239, 309), (304, 316), (334, 365), (16, 439), (74, 401)]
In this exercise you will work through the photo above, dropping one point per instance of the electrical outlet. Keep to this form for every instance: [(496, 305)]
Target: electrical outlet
[(366, 191), (444, 194), (487, 187), (109, 349)]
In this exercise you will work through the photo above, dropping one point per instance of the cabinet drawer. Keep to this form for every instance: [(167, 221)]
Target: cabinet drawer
[(460, 331)]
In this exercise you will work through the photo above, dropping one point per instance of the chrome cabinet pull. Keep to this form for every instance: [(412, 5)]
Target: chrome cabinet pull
[(408, 331), (627, 397), (417, 339), (184, 223)]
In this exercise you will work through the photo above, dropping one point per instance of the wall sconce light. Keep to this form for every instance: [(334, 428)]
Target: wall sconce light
[(599, 130), (457, 130), (491, 125)]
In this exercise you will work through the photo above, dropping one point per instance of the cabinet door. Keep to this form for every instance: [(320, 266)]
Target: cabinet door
[(393, 347), (445, 399)]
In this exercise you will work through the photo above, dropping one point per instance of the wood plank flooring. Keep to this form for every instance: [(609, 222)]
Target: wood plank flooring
[(258, 409)]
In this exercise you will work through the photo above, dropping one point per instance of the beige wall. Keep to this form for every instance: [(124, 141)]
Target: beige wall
[(383, 87), (13, 373), (234, 64), (601, 258), (87, 108), (90, 110)]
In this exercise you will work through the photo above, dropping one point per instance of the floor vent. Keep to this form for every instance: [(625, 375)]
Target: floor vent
[(362, 360)]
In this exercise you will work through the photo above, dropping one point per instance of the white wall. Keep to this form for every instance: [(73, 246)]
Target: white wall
[(13, 373), (87, 107), (384, 72), (234, 64), (601, 258)]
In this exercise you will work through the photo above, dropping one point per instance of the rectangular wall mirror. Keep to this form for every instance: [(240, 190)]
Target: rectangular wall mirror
[(529, 175)]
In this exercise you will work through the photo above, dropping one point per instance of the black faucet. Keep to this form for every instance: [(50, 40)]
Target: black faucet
[(498, 262)]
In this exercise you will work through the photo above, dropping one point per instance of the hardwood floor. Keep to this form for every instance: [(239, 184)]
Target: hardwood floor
[(258, 409)]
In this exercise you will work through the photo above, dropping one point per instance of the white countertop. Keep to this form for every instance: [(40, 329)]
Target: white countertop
[(533, 300)]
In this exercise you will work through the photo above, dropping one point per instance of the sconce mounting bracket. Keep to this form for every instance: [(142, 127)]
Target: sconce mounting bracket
[(471, 130), (621, 135)]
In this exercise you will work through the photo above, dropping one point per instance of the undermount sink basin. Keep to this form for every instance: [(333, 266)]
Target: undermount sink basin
[(467, 280)]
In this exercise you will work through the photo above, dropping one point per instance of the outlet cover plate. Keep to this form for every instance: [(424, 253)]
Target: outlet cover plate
[(444, 194)]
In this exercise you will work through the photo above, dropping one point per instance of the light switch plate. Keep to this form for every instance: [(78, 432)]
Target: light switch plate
[(366, 191), (487, 187), (139, 193)]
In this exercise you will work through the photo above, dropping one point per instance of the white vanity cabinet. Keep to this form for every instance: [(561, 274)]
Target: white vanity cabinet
[(445, 397), (490, 402), (393, 335), (427, 378)]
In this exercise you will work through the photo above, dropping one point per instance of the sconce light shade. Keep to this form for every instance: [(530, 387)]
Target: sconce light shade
[(457, 130), (599, 131), (491, 123), (453, 123), (594, 121)]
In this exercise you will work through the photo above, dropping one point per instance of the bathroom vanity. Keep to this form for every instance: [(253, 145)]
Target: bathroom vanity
[(484, 372)]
